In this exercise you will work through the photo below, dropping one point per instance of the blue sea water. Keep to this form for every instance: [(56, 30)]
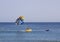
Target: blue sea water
[(10, 32)]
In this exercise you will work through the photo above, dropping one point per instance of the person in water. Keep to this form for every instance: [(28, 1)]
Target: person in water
[(47, 30), (20, 20)]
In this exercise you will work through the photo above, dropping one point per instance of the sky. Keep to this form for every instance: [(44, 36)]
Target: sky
[(32, 10)]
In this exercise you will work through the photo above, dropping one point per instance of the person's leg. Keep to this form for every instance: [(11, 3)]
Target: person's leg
[(17, 21), (22, 22)]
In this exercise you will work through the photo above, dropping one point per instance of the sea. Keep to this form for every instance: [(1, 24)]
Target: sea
[(41, 32)]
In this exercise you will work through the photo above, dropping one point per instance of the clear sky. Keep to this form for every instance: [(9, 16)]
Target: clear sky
[(33, 10)]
